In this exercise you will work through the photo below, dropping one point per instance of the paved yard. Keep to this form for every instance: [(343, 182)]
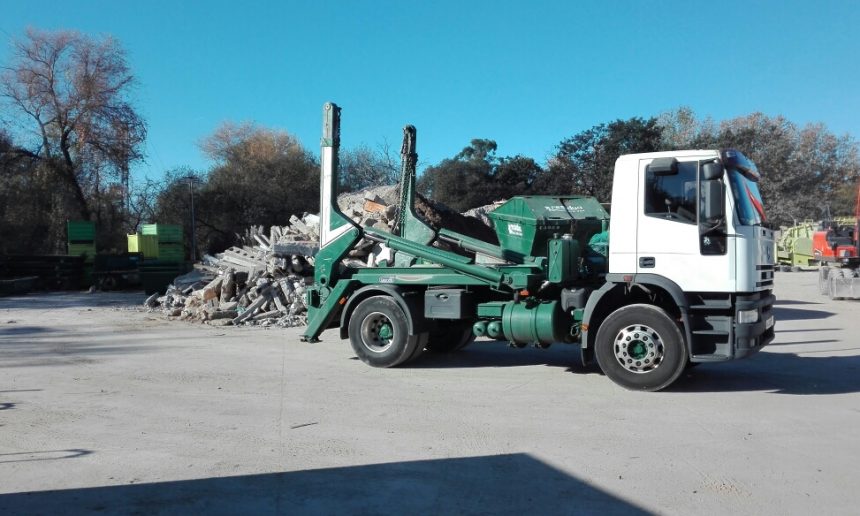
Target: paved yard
[(105, 408)]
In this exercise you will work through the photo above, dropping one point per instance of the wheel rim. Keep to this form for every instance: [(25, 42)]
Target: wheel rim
[(639, 348), (377, 333)]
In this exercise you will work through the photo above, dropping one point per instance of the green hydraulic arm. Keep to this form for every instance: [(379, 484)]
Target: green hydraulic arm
[(475, 245), (409, 225), (338, 233), (492, 277)]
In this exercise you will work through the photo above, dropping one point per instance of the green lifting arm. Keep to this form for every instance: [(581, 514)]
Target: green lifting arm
[(475, 245), (459, 263), (338, 233), (409, 225)]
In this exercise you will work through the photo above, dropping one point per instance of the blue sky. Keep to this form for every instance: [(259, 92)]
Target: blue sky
[(526, 74)]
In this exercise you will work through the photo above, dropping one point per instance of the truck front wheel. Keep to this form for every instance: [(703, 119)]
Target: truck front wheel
[(641, 348), (379, 333)]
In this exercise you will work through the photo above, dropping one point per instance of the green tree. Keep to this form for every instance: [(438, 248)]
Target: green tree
[(583, 164), (462, 182), (514, 176), (25, 202)]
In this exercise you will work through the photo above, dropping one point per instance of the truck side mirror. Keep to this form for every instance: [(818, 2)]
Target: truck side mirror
[(663, 167), (712, 170), (713, 201)]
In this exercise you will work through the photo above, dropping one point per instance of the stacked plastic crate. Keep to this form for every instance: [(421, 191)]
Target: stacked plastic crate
[(170, 246), (156, 274), (146, 245), (82, 238), (82, 242)]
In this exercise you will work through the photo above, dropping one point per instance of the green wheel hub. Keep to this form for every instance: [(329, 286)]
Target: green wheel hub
[(385, 332), (639, 348), (377, 333)]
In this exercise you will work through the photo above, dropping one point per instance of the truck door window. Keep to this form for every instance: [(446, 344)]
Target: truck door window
[(672, 197)]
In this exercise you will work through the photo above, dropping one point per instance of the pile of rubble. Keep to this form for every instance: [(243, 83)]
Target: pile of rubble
[(235, 297), (263, 282)]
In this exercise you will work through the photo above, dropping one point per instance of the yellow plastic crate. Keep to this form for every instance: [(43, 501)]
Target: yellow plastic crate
[(146, 244)]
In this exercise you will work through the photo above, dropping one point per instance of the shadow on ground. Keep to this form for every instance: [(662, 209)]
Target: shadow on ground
[(39, 346), (794, 302), (799, 314), (780, 373), (43, 455), (502, 484), (54, 300), (499, 354)]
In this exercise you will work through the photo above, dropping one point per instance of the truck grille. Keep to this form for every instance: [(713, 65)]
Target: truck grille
[(764, 275)]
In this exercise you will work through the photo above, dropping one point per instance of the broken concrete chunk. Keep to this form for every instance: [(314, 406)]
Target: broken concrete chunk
[(227, 306), (374, 207), (228, 286), (223, 314), (305, 248), (152, 301)]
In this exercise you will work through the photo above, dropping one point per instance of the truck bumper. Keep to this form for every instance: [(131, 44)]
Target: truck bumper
[(749, 338), (744, 339)]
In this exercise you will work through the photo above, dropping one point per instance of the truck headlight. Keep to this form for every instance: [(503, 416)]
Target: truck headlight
[(747, 316)]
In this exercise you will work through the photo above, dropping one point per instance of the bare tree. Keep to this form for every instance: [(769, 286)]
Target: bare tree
[(805, 169), (364, 167), (70, 95)]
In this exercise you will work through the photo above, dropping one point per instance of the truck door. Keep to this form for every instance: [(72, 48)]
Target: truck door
[(668, 238)]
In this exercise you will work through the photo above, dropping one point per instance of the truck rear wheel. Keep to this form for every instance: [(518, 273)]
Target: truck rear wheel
[(379, 333), (641, 348), (450, 336)]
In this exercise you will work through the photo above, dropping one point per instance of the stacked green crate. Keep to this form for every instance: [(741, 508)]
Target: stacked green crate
[(147, 245), (82, 242), (170, 246), (156, 274), (165, 232), (82, 238)]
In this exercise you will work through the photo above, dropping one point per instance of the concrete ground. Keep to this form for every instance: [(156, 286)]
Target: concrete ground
[(105, 408)]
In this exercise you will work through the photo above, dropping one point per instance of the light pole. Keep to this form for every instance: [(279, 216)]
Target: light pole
[(193, 221)]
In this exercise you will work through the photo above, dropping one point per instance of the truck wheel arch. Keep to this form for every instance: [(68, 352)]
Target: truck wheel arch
[(615, 293), (408, 300)]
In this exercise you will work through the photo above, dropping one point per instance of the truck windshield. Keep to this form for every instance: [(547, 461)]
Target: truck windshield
[(747, 198)]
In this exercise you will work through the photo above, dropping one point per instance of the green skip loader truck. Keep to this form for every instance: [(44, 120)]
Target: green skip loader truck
[(686, 277)]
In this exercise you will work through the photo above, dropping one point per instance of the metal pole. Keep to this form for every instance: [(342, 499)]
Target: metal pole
[(193, 222)]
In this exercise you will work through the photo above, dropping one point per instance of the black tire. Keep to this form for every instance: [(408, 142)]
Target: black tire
[(419, 347), (450, 336), (379, 333), (658, 356)]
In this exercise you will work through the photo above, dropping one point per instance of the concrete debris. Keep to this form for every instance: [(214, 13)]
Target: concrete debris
[(481, 212), (238, 298), (263, 281)]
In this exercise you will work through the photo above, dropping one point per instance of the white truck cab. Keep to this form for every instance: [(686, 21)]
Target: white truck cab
[(688, 225)]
